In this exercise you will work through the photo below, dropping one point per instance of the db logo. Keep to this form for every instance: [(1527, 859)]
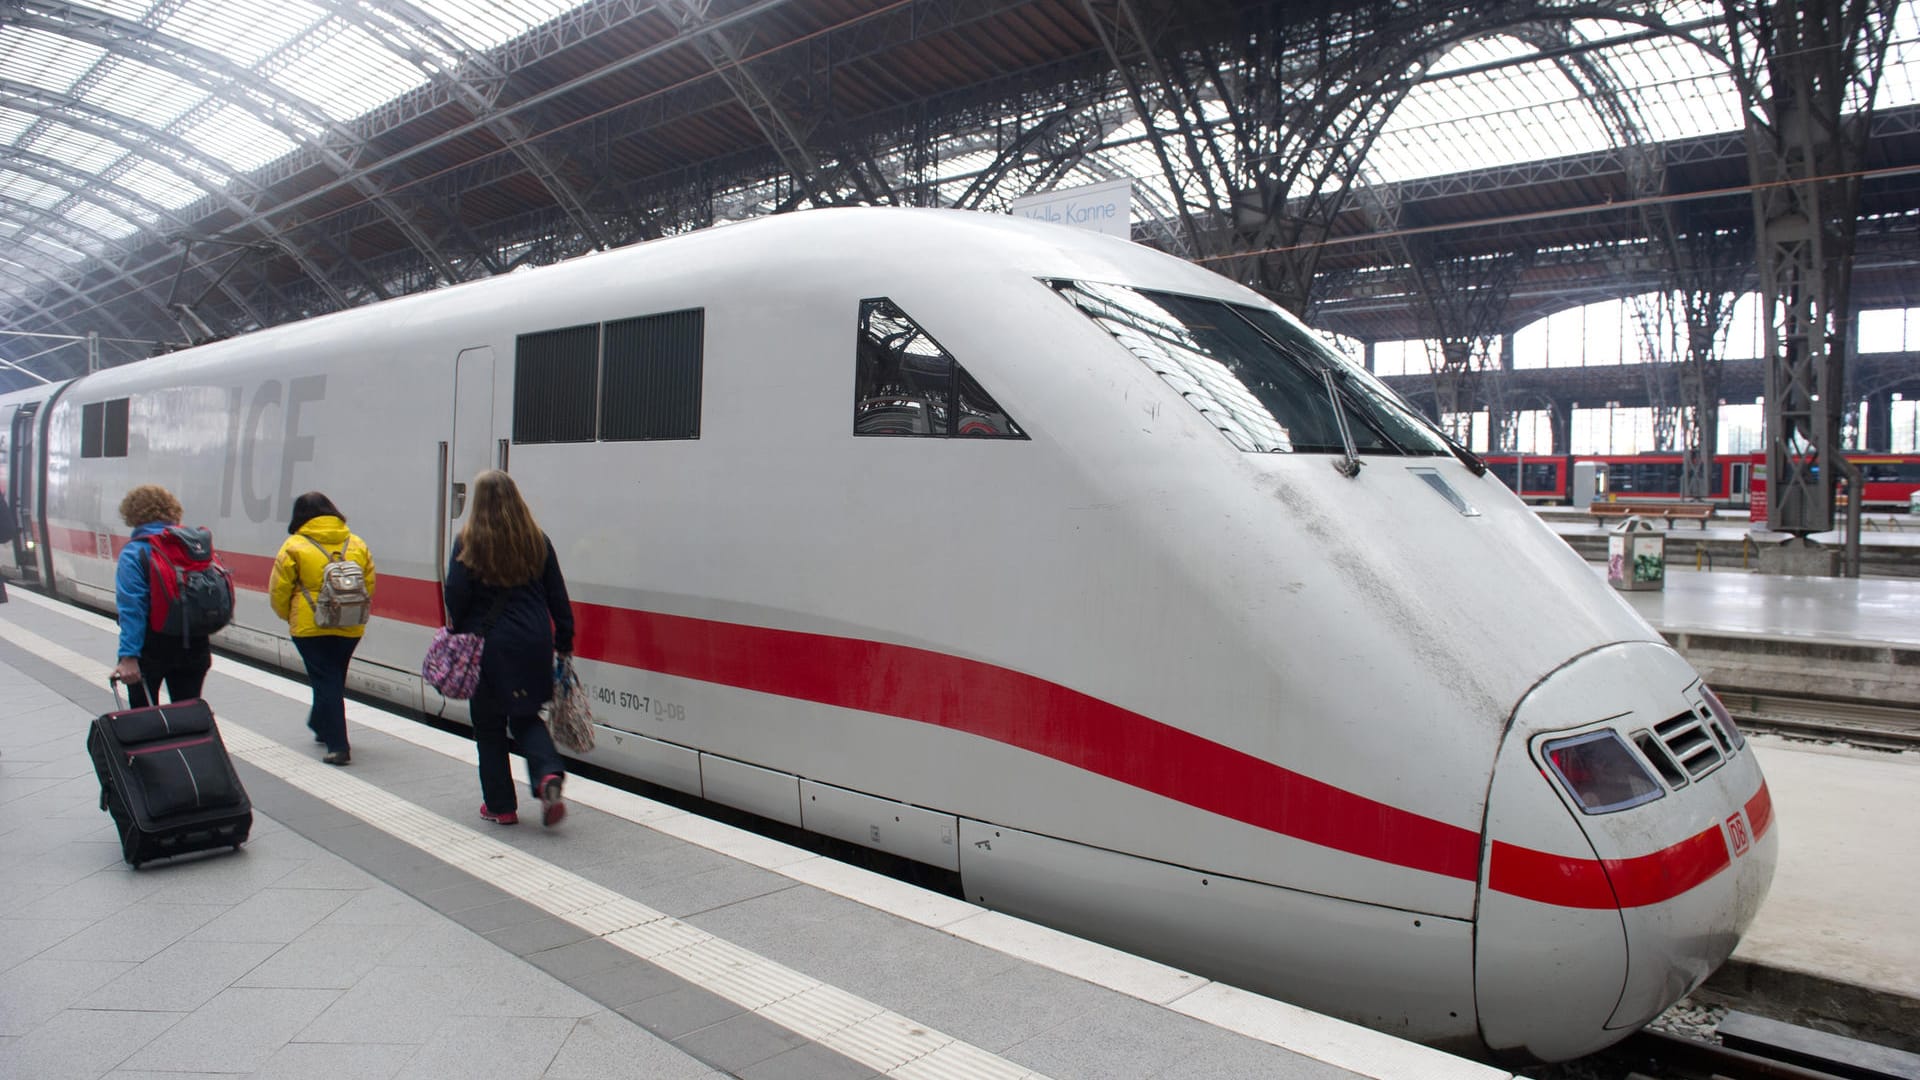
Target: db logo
[(1737, 830)]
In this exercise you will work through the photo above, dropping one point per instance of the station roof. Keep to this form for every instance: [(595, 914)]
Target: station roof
[(176, 171)]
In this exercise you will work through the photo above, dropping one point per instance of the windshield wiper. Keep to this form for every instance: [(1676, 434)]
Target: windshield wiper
[(1348, 466), (1471, 459)]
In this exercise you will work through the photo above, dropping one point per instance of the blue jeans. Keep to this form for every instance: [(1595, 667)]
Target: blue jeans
[(326, 657), (492, 729)]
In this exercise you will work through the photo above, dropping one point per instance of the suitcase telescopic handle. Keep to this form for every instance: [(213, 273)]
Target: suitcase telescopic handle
[(113, 682)]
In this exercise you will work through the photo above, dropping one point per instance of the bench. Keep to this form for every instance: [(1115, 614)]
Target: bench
[(1668, 512)]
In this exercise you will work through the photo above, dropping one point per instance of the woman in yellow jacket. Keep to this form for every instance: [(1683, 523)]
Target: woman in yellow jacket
[(325, 611)]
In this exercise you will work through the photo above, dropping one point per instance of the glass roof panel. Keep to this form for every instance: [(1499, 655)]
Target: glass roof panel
[(347, 73), (159, 184), (245, 32), (50, 246), (75, 149), (114, 201), (142, 94), (100, 219), (45, 60), (25, 190), (1900, 84), (12, 123), (233, 136), (483, 24)]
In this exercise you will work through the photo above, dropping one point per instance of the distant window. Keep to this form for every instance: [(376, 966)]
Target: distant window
[(905, 383), (555, 374), (103, 429), (650, 377)]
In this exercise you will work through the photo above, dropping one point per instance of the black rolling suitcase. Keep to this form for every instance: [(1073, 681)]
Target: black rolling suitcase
[(167, 780)]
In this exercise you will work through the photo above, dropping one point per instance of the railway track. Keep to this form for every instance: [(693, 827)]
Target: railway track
[(1752, 1047), (1879, 727)]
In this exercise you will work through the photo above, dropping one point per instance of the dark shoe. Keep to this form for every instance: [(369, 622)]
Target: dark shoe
[(552, 810), (340, 758), (508, 818)]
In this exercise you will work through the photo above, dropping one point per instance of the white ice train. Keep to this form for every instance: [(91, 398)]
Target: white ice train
[(1028, 553)]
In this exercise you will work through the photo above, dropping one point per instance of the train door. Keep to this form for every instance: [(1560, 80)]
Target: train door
[(1739, 479), (22, 449), (469, 452)]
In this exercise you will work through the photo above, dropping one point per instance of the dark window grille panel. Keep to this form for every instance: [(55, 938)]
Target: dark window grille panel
[(1654, 752), (114, 442), (1687, 739), (92, 428), (555, 374), (650, 381)]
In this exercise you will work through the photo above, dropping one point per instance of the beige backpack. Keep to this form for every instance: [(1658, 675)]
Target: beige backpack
[(343, 599)]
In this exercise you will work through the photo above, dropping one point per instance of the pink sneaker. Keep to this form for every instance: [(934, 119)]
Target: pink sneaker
[(508, 818), (552, 809)]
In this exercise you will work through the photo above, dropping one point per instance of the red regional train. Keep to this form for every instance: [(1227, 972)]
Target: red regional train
[(1888, 479)]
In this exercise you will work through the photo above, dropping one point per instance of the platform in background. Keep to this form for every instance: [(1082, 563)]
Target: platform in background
[(1889, 543)]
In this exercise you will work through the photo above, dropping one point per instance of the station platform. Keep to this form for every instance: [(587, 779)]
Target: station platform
[(1853, 611), (1889, 543), (374, 926), (1843, 640)]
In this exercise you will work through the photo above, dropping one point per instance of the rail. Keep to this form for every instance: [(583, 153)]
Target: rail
[(1879, 727), (1697, 1057)]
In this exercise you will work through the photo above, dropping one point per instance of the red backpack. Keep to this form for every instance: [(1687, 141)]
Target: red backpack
[(189, 594)]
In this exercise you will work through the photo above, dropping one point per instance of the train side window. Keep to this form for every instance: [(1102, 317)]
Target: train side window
[(92, 428), (650, 377), (103, 429), (114, 442), (555, 376), (906, 383)]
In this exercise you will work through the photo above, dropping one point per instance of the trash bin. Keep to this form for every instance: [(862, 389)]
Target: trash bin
[(1636, 556)]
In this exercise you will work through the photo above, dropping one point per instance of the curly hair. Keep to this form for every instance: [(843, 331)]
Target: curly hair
[(501, 542), (147, 504)]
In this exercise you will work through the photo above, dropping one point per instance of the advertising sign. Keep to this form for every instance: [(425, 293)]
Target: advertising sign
[(1106, 208)]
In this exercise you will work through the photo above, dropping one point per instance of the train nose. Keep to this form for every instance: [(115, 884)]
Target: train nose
[(1630, 843)]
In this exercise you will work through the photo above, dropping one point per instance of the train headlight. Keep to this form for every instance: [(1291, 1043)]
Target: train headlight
[(1601, 772)]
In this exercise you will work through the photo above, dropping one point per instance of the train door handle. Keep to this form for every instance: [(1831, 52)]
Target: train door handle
[(459, 498)]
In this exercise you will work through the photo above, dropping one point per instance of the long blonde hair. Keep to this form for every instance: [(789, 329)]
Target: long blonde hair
[(501, 543)]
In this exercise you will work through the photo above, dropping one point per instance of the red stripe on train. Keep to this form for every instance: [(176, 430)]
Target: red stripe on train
[(1065, 725), (402, 599), (1608, 883), (1760, 811)]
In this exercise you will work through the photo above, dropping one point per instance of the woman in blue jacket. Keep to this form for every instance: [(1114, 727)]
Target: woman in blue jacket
[(147, 659), (504, 584)]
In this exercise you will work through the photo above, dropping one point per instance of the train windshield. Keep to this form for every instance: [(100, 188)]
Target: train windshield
[(1254, 373)]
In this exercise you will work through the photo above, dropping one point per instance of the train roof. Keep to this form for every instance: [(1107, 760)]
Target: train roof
[(865, 247)]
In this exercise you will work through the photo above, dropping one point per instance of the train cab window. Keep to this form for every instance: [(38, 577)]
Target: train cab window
[(650, 377), (1253, 373), (103, 429), (905, 383), (555, 377)]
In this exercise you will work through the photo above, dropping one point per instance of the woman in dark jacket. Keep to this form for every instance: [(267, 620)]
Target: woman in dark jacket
[(504, 584)]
